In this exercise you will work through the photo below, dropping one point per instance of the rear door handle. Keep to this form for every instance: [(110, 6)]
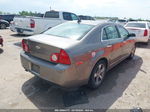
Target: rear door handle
[(109, 45)]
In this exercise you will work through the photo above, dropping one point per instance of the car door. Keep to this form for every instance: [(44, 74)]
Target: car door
[(113, 41), (127, 43)]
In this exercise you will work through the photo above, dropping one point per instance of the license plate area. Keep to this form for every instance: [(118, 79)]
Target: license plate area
[(35, 69)]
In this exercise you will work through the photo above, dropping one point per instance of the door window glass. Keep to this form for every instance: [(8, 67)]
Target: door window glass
[(111, 32), (123, 32), (67, 16), (104, 36), (74, 17)]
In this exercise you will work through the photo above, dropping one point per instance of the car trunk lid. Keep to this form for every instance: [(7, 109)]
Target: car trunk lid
[(138, 31), (42, 46)]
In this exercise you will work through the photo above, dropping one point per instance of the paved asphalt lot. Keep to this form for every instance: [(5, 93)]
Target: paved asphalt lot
[(125, 86)]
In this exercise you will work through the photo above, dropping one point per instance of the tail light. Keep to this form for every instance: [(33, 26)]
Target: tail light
[(61, 57), (145, 33), (1, 41), (25, 46), (32, 23)]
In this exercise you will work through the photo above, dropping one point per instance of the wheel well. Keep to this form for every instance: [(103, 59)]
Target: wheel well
[(104, 59)]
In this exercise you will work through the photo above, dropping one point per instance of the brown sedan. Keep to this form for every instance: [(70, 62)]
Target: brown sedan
[(77, 53)]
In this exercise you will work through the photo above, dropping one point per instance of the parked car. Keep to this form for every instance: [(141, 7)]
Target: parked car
[(82, 17), (121, 21), (3, 24), (8, 17), (1, 41), (112, 20), (74, 54), (141, 29), (37, 25)]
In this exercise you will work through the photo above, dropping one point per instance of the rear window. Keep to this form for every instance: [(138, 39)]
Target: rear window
[(70, 30), (86, 18), (137, 25), (52, 14), (122, 20)]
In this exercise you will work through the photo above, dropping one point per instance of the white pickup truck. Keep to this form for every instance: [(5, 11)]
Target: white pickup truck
[(37, 25)]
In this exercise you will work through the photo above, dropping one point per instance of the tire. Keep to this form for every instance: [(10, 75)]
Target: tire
[(132, 54), (3, 26), (97, 74)]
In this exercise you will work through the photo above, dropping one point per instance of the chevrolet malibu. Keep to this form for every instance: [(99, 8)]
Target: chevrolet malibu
[(73, 54)]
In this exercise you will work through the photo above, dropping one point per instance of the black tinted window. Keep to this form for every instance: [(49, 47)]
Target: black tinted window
[(86, 18), (67, 16), (122, 20), (137, 25), (52, 14), (123, 32), (111, 32)]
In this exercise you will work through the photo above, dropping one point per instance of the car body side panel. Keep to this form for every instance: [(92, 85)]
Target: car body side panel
[(116, 50), (127, 46)]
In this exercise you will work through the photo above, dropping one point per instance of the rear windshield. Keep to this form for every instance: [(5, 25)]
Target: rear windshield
[(52, 14), (70, 30), (137, 25)]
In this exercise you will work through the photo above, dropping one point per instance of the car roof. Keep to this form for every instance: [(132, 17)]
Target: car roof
[(95, 23)]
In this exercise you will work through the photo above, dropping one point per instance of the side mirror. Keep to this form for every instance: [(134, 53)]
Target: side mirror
[(132, 35)]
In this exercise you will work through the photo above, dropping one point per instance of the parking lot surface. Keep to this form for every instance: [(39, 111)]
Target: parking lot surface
[(126, 86)]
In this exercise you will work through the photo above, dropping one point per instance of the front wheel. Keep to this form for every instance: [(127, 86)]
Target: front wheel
[(97, 75)]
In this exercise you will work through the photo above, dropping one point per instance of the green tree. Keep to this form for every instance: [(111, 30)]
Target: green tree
[(28, 13)]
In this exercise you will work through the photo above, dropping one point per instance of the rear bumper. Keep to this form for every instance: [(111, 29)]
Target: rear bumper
[(62, 75), (142, 39), (21, 30)]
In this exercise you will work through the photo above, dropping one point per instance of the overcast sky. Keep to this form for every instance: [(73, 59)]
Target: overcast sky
[(113, 8)]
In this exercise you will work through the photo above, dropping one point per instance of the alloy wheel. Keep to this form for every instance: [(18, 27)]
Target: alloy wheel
[(99, 74)]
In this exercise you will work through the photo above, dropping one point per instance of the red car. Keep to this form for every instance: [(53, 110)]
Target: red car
[(1, 41)]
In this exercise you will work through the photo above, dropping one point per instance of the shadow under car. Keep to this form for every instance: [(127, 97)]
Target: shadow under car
[(45, 96)]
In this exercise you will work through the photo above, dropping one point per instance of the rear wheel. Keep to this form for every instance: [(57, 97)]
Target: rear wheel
[(97, 75), (2, 26)]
